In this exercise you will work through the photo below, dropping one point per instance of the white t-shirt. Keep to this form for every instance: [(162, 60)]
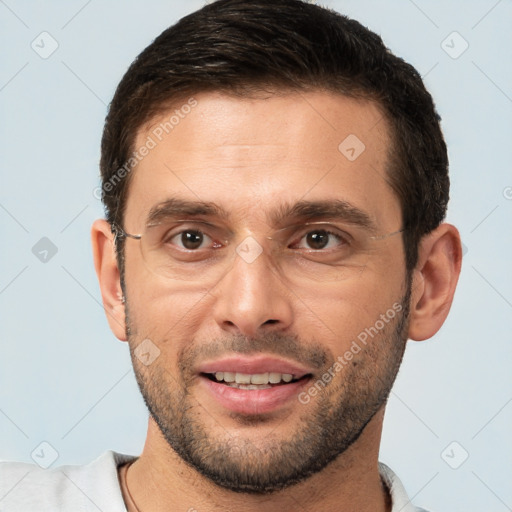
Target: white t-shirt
[(95, 486)]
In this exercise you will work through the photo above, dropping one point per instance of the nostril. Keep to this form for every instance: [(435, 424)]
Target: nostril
[(271, 322)]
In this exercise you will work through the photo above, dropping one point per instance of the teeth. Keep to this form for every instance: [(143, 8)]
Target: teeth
[(229, 377), (274, 378), (242, 378), (249, 381), (259, 378), (248, 386)]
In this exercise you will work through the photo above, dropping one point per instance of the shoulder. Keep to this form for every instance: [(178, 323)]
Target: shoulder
[(27, 487), (399, 498)]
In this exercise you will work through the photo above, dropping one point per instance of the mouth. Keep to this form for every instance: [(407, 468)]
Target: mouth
[(253, 385), (254, 381)]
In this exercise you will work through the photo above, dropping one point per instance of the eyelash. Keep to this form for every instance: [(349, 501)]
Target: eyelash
[(331, 234), (344, 240)]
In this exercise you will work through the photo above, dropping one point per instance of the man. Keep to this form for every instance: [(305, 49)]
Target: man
[(275, 183)]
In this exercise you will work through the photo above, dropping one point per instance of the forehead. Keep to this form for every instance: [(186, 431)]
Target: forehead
[(248, 155)]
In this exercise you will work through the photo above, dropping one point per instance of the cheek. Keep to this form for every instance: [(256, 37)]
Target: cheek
[(339, 316), (153, 295), (163, 312)]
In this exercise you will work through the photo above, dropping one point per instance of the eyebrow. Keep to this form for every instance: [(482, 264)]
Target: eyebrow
[(174, 207), (329, 209)]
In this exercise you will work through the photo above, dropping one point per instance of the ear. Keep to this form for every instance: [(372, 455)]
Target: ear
[(434, 281), (107, 271)]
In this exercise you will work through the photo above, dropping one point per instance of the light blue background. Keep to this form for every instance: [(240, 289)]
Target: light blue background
[(66, 380)]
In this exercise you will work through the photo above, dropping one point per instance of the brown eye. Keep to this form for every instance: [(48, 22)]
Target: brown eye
[(317, 239), (190, 239)]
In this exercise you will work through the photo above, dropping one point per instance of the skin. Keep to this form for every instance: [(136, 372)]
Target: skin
[(247, 155)]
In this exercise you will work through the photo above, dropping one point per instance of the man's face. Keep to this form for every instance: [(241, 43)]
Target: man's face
[(248, 288)]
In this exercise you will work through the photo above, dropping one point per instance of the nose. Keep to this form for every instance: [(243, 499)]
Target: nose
[(251, 298)]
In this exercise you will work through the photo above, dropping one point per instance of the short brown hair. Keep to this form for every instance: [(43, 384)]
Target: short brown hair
[(240, 47)]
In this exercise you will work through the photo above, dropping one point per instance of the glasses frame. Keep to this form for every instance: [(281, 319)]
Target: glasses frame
[(119, 232)]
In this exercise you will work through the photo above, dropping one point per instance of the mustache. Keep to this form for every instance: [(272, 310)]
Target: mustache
[(311, 355)]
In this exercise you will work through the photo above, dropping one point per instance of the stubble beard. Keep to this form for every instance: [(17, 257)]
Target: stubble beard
[(340, 413)]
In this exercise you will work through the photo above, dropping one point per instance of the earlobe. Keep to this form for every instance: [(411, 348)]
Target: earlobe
[(105, 263), (434, 282)]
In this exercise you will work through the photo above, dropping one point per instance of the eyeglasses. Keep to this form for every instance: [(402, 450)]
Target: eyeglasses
[(199, 251)]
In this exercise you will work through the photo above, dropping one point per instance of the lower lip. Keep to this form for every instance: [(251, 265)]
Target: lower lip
[(253, 401)]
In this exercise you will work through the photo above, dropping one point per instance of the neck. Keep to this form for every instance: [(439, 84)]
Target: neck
[(160, 480)]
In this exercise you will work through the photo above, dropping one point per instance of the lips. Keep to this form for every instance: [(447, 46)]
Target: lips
[(254, 365), (253, 385)]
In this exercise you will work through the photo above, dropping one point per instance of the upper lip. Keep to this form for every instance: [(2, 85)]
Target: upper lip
[(253, 365)]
